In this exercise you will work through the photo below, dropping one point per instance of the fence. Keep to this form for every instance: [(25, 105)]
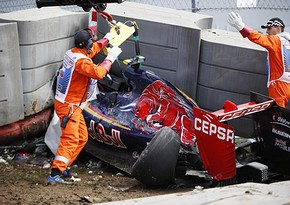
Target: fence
[(188, 5), (256, 12)]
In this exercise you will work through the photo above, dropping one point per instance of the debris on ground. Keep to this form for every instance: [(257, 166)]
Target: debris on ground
[(25, 168)]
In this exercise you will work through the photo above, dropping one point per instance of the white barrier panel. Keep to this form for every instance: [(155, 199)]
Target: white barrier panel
[(44, 36), (41, 54), (45, 24), (39, 76), (169, 39), (38, 100), (11, 99), (230, 67)]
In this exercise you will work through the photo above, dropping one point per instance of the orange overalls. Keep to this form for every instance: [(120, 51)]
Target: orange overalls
[(71, 90), (278, 69)]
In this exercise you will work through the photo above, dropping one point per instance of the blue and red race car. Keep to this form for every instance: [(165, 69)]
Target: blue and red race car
[(145, 126)]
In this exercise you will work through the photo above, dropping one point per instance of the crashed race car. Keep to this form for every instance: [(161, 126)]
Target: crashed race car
[(145, 126), (148, 128), (157, 134)]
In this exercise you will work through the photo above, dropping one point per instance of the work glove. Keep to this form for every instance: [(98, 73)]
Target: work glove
[(235, 20), (113, 54), (109, 36)]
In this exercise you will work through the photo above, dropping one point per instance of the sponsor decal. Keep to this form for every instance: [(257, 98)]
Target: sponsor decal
[(211, 129), (245, 111), (98, 133), (280, 132), (68, 62), (280, 120), (135, 155), (282, 145), (215, 142)]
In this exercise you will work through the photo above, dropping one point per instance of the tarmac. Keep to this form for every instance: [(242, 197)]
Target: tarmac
[(248, 193)]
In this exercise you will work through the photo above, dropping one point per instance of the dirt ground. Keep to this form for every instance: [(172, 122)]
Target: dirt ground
[(25, 183), (24, 172)]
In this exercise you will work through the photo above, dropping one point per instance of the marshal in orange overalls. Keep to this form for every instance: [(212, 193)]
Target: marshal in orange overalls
[(278, 47), (71, 92)]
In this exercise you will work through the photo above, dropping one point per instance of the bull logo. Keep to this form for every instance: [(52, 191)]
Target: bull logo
[(159, 106)]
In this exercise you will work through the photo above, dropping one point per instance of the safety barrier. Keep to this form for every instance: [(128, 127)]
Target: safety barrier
[(44, 36), (208, 65)]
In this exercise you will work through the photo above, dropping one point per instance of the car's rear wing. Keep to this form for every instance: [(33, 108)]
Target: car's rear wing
[(231, 111), (215, 139)]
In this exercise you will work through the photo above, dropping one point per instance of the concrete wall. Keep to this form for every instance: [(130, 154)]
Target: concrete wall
[(229, 68), (44, 36), (11, 100), (169, 39)]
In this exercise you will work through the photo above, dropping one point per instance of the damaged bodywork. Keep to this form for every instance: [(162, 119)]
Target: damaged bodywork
[(147, 127)]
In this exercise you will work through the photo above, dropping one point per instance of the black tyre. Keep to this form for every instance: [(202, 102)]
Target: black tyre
[(87, 8), (101, 7), (156, 164)]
